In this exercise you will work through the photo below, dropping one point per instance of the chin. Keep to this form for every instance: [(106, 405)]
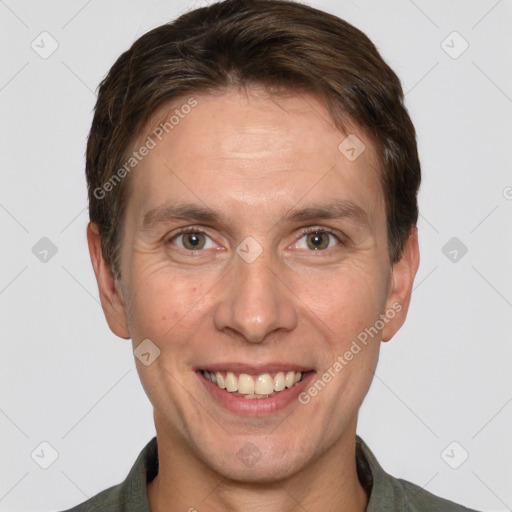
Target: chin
[(266, 474), (254, 463)]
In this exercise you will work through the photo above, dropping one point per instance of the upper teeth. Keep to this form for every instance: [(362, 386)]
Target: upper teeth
[(247, 384)]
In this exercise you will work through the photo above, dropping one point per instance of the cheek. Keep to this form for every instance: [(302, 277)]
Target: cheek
[(165, 303), (347, 299)]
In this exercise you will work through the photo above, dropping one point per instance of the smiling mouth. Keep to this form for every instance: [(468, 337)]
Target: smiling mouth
[(245, 385)]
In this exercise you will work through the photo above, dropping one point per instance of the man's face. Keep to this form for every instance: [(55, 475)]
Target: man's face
[(249, 292)]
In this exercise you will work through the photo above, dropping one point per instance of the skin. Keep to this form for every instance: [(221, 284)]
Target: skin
[(252, 158)]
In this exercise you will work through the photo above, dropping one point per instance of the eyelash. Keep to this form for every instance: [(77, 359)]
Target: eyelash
[(304, 231)]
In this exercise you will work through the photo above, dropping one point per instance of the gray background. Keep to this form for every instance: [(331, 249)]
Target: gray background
[(68, 381)]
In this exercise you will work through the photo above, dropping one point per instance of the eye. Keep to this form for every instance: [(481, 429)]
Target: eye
[(316, 239), (192, 239)]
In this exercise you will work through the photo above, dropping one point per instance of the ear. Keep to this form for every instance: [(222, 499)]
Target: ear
[(400, 289), (112, 300)]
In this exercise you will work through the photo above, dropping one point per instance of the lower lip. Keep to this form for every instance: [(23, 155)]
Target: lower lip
[(256, 406)]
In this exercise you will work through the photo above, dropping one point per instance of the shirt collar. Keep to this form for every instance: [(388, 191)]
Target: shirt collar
[(380, 486), (143, 471)]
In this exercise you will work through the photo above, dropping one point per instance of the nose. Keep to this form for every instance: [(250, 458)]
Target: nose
[(255, 301)]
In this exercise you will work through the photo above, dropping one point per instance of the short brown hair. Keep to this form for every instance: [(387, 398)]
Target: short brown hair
[(253, 42)]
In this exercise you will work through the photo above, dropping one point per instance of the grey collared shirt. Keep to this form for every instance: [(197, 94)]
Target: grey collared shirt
[(386, 493)]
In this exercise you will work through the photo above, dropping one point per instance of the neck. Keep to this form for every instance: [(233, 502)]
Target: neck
[(328, 483)]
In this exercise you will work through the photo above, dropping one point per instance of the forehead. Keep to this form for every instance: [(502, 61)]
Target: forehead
[(246, 149)]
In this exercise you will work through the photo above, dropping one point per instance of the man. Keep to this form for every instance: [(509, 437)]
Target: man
[(252, 175)]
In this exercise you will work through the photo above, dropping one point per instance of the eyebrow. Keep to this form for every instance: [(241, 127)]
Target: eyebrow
[(177, 211), (338, 209)]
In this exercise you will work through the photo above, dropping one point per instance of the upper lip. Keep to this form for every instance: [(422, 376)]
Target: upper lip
[(255, 369)]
